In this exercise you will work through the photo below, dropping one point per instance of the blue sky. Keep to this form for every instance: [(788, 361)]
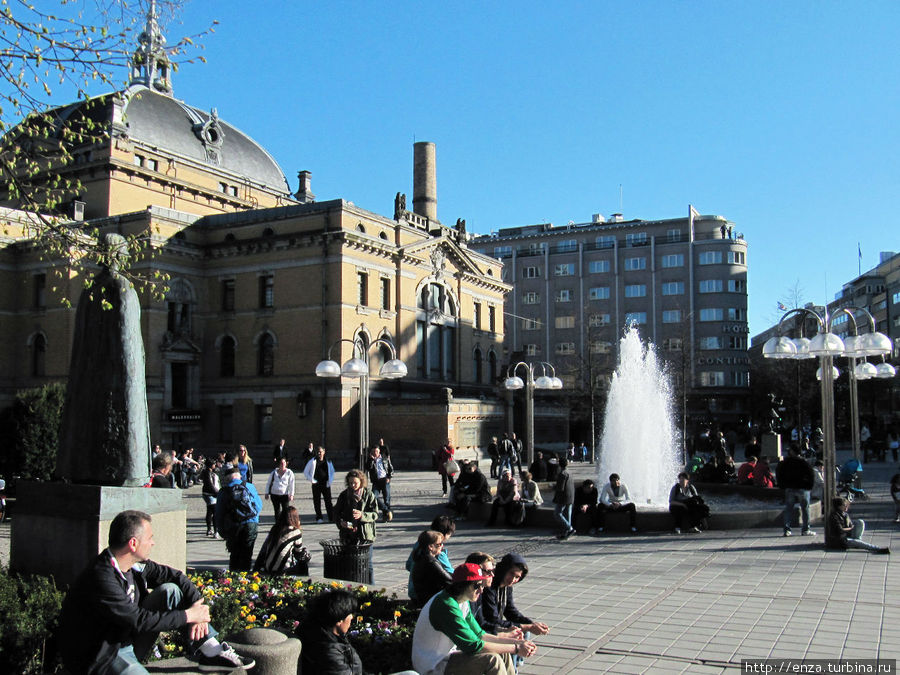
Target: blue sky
[(781, 116)]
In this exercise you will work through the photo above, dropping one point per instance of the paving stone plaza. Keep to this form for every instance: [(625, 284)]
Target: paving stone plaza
[(651, 602)]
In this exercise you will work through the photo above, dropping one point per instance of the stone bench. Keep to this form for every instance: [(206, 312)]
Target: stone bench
[(273, 651)]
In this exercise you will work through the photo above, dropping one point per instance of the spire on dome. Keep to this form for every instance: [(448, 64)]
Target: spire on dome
[(150, 63)]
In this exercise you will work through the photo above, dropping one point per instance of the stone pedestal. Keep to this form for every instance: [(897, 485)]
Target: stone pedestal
[(59, 527), (771, 446)]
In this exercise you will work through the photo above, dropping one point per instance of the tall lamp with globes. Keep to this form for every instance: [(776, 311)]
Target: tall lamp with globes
[(358, 367), (825, 346), (544, 381)]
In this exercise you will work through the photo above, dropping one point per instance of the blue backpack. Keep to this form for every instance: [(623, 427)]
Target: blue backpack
[(239, 506)]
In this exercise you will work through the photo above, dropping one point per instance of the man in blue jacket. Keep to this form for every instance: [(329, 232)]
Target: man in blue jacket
[(110, 618), (238, 506)]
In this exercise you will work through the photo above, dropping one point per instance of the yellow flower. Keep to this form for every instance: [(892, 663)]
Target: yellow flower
[(367, 604), (254, 587), (396, 613), (251, 618), (359, 619), (363, 589), (298, 584), (335, 584), (272, 617)]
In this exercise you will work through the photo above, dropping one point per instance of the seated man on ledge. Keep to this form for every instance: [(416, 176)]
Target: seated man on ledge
[(615, 498), (110, 618)]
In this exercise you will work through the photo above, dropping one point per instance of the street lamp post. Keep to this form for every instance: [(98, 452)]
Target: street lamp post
[(826, 345), (358, 367), (544, 381)]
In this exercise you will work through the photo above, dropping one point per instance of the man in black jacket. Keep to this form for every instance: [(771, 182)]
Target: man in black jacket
[(110, 618), (326, 650), (380, 470), (795, 476), (500, 612), (563, 498)]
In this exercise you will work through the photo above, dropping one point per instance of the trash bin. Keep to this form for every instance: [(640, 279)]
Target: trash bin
[(349, 562)]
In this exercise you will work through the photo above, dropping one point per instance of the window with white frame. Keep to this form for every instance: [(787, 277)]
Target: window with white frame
[(532, 349), (737, 314), (737, 286), (606, 241), (502, 251), (672, 260), (709, 258), (673, 288), (712, 378), (531, 298), (599, 293), (740, 379), (636, 290), (564, 269), (638, 318), (597, 320), (672, 344), (564, 295), (567, 245), (565, 348), (712, 314), (598, 266), (531, 324), (636, 239), (714, 342), (671, 316), (635, 264), (601, 347), (673, 236), (531, 272), (737, 342), (736, 257), (565, 322), (711, 286)]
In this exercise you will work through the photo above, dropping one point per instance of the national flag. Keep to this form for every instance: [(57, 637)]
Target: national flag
[(782, 307)]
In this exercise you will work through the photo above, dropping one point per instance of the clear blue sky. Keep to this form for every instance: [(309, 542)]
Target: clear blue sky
[(782, 116)]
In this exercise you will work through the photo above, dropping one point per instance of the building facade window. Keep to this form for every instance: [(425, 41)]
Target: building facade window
[(264, 423), (477, 366), (362, 288), (712, 378), (531, 298), (635, 264), (597, 320), (599, 293), (564, 269), (565, 348), (635, 290), (740, 379), (673, 288), (567, 246), (530, 324), (226, 357), (709, 258), (672, 260), (267, 291), (40, 291), (606, 241), (436, 333), (636, 239), (476, 318), (638, 318), (600, 347), (672, 344), (502, 251), (671, 316), (711, 314), (737, 258), (228, 295), (714, 342), (565, 322), (711, 286), (531, 272), (737, 286), (265, 360), (385, 293), (564, 295), (737, 342), (492, 318), (673, 236), (532, 350), (598, 266), (737, 314), (39, 356)]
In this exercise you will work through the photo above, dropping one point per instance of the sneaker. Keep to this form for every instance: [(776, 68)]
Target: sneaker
[(808, 533), (209, 533), (787, 532), (319, 521), (884, 551), (677, 530), (695, 529), (227, 658), (217, 536), (569, 533), (897, 519)]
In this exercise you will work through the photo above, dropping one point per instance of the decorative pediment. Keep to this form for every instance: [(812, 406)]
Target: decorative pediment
[(441, 252)]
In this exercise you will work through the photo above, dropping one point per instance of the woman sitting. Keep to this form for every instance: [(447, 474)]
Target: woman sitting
[(428, 575), (283, 551), (508, 499), (686, 506)]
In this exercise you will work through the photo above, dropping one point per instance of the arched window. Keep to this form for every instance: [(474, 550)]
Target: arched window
[(179, 300), (226, 357), (38, 355), (477, 366), (492, 367), (436, 333), (266, 356)]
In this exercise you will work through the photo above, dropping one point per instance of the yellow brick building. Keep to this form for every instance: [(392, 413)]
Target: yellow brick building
[(263, 283)]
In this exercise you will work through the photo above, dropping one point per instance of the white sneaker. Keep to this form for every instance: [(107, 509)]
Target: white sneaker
[(227, 658), (677, 530), (319, 521)]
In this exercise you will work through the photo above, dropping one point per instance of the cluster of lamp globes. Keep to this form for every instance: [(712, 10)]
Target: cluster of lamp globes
[(829, 344), (542, 382), (356, 367)]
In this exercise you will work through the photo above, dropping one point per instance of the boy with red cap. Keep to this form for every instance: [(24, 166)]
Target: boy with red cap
[(448, 639)]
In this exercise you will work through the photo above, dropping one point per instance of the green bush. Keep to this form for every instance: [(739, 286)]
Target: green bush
[(33, 427), (29, 614)]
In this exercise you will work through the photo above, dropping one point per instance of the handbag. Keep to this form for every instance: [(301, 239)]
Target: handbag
[(451, 466)]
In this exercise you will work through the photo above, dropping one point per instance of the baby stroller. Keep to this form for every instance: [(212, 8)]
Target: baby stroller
[(846, 475)]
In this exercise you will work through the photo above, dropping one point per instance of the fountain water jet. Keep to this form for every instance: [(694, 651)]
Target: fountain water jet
[(638, 440)]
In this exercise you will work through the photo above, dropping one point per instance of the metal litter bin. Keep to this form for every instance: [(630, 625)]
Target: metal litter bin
[(349, 562)]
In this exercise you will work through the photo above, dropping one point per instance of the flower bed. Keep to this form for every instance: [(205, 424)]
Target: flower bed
[(382, 630)]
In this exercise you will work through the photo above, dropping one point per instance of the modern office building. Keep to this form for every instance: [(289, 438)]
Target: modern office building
[(681, 281)]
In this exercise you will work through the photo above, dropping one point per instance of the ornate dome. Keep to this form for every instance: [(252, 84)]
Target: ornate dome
[(172, 125)]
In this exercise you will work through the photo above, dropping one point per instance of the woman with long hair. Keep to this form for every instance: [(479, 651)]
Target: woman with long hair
[(428, 576), (355, 512), (283, 551)]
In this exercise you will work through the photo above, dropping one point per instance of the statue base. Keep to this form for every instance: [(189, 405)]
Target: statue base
[(771, 446), (59, 528)]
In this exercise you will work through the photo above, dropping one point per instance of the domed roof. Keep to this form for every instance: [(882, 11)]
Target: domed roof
[(169, 124)]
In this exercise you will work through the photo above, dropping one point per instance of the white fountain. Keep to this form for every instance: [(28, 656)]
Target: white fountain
[(638, 440)]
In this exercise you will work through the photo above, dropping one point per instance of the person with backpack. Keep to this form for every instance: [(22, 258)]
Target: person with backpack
[(237, 517)]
